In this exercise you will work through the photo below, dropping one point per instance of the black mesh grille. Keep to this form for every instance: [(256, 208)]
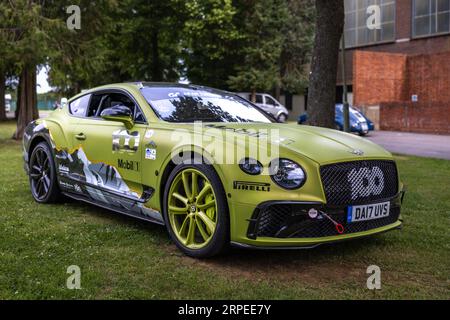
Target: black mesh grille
[(292, 221), (359, 182)]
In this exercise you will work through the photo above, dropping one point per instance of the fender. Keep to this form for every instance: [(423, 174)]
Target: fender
[(196, 150)]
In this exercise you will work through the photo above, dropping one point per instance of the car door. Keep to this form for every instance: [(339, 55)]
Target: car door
[(270, 105), (110, 154)]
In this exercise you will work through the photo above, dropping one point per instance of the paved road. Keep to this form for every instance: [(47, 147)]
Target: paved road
[(417, 144)]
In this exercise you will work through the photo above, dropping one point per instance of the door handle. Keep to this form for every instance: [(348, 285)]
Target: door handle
[(80, 136)]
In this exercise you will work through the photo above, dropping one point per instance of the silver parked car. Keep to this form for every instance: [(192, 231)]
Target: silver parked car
[(269, 104)]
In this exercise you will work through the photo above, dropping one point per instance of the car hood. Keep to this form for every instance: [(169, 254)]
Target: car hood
[(318, 144)]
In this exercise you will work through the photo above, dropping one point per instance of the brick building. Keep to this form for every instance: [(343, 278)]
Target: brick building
[(399, 74)]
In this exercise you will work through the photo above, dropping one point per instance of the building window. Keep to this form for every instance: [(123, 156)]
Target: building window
[(431, 17), (356, 31)]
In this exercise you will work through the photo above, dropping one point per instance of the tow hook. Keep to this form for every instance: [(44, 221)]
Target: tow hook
[(339, 227), (314, 214)]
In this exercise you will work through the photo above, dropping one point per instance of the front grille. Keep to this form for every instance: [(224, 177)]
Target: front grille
[(292, 221), (359, 182)]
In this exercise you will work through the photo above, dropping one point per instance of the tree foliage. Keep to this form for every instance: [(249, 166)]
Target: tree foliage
[(296, 50), (212, 41), (26, 39), (146, 39), (262, 46), (80, 58), (276, 50), (229, 44)]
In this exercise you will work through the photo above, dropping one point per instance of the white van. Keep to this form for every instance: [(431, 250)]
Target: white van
[(8, 102), (269, 104)]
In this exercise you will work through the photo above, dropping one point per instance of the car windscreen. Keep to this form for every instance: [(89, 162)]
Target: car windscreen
[(175, 104), (354, 114), (358, 116)]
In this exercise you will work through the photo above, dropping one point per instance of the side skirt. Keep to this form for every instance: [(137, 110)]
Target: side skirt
[(115, 209)]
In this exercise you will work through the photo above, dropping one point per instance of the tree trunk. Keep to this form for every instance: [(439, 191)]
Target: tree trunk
[(33, 93), (27, 100), (277, 92), (16, 112), (76, 88), (253, 96), (2, 96), (322, 82)]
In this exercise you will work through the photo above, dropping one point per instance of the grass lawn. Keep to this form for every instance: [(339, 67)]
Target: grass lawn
[(123, 258)]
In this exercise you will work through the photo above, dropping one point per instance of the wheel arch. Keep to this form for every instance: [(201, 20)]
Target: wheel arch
[(35, 141), (189, 152)]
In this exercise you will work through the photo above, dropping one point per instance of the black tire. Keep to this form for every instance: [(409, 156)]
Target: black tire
[(221, 237), (43, 183), (282, 118)]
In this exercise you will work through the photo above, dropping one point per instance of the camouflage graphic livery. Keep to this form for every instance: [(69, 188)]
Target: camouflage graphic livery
[(119, 147)]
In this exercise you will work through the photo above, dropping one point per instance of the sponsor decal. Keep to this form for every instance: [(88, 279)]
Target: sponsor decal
[(77, 188), (366, 182), (151, 144), (66, 185), (63, 169), (149, 133), (128, 165), (178, 94), (251, 133), (150, 153), (251, 186), (125, 141)]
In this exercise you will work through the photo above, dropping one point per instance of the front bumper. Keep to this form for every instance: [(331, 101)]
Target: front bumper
[(358, 129), (282, 244), (285, 224)]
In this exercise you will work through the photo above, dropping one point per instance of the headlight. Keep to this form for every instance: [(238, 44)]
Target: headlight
[(287, 174), (251, 166)]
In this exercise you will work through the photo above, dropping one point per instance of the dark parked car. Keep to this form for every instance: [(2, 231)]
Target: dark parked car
[(358, 121)]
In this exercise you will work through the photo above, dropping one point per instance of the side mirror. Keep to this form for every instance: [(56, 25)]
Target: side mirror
[(119, 113)]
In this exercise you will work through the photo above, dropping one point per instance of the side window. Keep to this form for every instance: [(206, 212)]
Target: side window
[(270, 101), (258, 98), (138, 116), (100, 102), (78, 107), (94, 105)]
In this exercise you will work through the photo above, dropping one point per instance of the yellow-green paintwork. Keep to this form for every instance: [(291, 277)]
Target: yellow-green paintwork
[(311, 147)]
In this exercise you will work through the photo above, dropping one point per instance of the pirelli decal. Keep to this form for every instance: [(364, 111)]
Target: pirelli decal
[(251, 186)]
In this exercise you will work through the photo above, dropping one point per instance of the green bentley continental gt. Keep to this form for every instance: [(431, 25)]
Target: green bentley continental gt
[(212, 167)]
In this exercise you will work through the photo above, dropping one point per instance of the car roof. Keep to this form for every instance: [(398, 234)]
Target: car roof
[(147, 84)]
